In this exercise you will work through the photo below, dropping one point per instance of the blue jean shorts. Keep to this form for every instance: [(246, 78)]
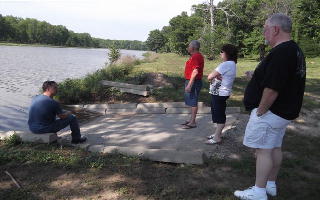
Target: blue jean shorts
[(191, 98)]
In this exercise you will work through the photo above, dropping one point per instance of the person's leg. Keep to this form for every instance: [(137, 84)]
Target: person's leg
[(264, 165), (62, 123), (222, 105), (75, 129), (218, 132), (194, 94), (194, 111), (277, 160)]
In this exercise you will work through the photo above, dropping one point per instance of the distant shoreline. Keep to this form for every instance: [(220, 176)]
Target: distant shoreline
[(44, 45)]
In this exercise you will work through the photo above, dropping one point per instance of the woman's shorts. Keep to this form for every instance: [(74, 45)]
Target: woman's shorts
[(191, 98), (218, 108), (266, 131)]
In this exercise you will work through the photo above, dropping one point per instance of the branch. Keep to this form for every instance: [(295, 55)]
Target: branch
[(14, 180)]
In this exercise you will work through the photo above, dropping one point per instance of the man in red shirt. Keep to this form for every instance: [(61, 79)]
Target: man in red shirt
[(193, 74)]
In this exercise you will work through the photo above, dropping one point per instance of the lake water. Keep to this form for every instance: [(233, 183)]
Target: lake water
[(24, 69)]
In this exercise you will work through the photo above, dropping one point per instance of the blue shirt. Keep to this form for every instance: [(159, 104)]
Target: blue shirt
[(42, 113)]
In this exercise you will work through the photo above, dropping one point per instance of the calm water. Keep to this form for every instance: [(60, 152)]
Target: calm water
[(24, 69)]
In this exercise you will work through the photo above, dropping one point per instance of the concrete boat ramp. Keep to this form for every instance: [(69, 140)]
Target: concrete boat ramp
[(150, 130)]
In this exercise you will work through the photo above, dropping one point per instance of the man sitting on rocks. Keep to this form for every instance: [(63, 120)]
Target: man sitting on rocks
[(43, 112)]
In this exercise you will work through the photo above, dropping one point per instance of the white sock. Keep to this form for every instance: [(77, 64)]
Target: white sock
[(271, 183), (260, 190)]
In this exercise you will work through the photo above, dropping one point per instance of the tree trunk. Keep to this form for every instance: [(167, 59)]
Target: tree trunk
[(212, 10)]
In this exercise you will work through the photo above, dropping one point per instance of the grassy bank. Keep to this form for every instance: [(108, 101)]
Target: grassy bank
[(31, 45), (88, 89)]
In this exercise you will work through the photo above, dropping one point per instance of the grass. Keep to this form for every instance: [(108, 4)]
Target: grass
[(173, 66), (88, 89)]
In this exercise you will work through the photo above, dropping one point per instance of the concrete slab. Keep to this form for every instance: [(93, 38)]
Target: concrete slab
[(158, 137), (149, 108), (75, 106), (201, 110), (122, 106), (179, 104), (97, 108), (31, 137), (151, 111), (133, 91), (121, 111)]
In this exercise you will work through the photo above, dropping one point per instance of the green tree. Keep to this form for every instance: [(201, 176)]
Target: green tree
[(114, 54), (156, 40)]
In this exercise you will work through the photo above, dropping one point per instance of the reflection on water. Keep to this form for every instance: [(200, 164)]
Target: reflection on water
[(24, 69)]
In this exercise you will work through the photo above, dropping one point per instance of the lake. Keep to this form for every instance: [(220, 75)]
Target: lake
[(23, 69)]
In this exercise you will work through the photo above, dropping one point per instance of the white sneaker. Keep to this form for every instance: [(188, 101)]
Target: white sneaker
[(250, 194), (271, 190)]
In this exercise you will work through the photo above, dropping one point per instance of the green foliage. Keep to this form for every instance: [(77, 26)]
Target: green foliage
[(155, 41), (181, 31), (114, 54), (244, 28), (73, 91), (306, 23), (13, 140)]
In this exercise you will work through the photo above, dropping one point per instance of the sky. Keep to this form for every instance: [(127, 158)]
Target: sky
[(107, 19)]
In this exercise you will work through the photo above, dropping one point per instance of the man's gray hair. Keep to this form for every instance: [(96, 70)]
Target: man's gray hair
[(195, 44), (282, 20)]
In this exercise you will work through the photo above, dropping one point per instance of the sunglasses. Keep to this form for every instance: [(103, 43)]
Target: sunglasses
[(221, 51)]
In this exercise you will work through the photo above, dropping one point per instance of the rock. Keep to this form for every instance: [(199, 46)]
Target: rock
[(31, 137)]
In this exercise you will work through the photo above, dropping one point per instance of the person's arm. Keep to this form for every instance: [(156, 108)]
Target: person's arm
[(249, 74), (64, 115), (268, 97), (213, 75), (191, 81)]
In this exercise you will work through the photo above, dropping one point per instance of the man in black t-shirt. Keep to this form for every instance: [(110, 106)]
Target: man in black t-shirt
[(274, 95)]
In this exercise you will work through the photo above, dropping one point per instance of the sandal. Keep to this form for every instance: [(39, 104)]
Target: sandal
[(212, 141), (186, 126), (212, 136), (185, 123)]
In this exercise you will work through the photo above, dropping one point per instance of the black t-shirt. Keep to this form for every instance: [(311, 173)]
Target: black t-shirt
[(283, 70)]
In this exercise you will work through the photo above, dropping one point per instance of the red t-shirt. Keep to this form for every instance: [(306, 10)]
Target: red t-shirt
[(196, 61)]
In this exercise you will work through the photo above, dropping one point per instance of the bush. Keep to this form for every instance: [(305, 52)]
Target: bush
[(13, 140), (310, 47), (87, 89), (114, 54)]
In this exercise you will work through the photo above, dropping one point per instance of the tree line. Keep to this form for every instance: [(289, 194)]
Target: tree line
[(239, 22), (31, 31)]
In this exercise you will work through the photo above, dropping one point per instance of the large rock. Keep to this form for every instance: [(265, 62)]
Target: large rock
[(31, 137)]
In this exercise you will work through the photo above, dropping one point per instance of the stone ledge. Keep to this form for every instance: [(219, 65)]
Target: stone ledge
[(31, 137)]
